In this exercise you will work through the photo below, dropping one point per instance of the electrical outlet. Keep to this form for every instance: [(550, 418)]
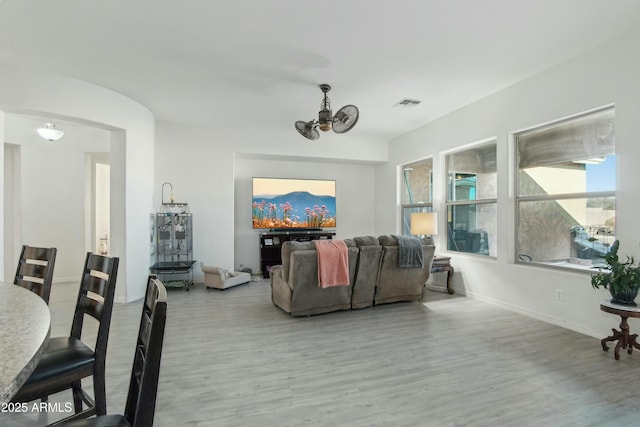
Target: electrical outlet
[(559, 294)]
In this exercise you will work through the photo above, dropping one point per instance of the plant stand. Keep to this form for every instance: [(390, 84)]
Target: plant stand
[(625, 341)]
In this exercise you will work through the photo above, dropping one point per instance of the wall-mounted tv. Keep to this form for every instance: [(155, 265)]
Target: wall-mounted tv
[(283, 203)]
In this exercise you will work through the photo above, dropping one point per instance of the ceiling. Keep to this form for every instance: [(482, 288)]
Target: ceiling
[(256, 64)]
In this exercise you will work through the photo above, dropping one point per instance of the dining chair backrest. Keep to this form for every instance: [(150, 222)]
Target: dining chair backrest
[(140, 405), (67, 360), (143, 386), (35, 270), (95, 298)]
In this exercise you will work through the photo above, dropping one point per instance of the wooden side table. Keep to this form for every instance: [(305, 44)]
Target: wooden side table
[(625, 341), (442, 264)]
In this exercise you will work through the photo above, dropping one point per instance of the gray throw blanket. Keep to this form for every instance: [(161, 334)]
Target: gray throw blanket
[(409, 252)]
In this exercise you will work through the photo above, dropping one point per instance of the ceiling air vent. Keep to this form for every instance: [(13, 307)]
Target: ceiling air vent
[(407, 102)]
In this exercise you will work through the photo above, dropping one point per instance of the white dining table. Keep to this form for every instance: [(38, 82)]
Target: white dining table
[(25, 325)]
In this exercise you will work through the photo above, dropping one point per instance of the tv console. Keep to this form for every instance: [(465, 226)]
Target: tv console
[(271, 244), (296, 231)]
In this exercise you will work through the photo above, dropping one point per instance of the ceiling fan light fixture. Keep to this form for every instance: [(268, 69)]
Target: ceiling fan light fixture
[(342, 122), (324, 120), (49, 132), (345, 119), (324, 125), (307, 129), (325, 113)]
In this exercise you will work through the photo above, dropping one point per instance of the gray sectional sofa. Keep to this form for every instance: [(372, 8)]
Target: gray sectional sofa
[(374, 275)]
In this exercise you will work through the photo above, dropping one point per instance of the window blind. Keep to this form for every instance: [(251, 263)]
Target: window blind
[(587, 137), (477, 160)]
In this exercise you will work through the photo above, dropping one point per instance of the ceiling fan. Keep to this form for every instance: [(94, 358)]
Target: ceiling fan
[(343, 121)]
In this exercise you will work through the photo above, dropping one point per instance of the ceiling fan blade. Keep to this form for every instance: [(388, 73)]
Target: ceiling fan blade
[(345, 119), (307, 129)]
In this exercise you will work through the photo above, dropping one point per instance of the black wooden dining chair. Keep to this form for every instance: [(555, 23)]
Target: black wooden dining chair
[(67, 360), (143, 386), (35, 270)]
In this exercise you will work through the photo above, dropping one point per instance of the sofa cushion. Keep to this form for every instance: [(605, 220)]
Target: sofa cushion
[(291, 246), (369, 256), (386, 240), (234, 279), (307, 297), (350, 243), (401, 284), (366, 241)]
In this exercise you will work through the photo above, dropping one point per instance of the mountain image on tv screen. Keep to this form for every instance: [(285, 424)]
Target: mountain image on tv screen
[(293, 203)]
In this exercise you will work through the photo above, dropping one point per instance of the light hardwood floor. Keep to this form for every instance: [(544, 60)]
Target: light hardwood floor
[(231, 358)]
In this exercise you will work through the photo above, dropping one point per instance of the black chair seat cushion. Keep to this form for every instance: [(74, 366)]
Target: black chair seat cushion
[(62, 355), (102, 421)]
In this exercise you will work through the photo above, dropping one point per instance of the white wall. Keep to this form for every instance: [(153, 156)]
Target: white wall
[(52, 174), (355, 198), (600, 77), (204, 167), (132, 152), (7, 212), (102, 206)]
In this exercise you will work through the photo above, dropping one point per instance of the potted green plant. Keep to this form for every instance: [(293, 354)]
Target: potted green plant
[(621, 278)]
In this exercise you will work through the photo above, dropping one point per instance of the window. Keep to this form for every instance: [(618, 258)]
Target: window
[(417, 186), (472, 200), (566, 191)]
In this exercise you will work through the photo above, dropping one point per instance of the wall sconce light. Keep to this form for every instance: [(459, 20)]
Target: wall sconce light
[(49, 132)]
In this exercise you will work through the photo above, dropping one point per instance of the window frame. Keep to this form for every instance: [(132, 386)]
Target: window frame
[(518, 199), (414, 207), (451, 204)]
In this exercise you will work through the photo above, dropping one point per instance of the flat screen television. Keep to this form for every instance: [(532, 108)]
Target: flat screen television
[(285, 203)]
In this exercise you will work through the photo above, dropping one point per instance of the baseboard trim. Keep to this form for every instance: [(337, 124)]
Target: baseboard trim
[(534, 314)]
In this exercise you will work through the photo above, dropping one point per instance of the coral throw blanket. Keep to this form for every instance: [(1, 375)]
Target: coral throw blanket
[(333, 263)]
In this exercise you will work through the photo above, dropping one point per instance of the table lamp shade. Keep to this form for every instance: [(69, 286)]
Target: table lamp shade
[(424, 223)]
